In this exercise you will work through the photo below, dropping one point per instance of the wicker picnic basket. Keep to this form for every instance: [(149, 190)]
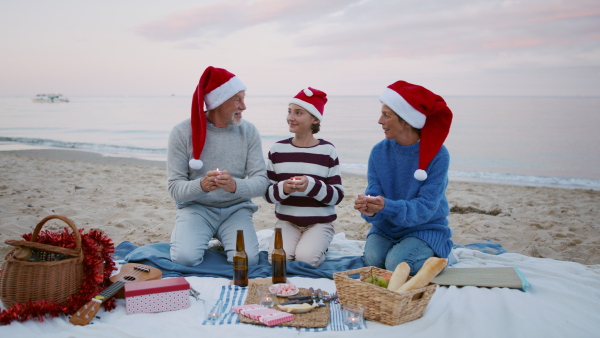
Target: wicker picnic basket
[(34, 271), (380, 304)]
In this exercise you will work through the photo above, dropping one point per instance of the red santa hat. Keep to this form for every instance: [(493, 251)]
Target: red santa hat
[(423, 110), (216, 86), (313, 100)]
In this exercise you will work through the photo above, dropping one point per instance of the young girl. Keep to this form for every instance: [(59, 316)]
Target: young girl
[(305, 182)]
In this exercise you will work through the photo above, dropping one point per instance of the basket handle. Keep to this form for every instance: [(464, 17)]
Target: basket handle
[(39, 226), (349, 272), (43, 247)]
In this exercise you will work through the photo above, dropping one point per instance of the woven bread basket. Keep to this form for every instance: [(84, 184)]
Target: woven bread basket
[(381, 305), (34, 271)]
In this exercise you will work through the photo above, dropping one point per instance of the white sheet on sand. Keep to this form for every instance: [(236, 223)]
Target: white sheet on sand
[(563, 301)]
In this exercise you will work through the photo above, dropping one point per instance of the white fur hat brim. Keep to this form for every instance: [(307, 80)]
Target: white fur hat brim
[(400, 106), (223, 93)]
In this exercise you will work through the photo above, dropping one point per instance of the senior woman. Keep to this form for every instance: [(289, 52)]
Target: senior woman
[(405, 199)]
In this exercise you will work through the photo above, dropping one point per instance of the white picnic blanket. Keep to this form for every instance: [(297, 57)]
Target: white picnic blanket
[(563, 300)]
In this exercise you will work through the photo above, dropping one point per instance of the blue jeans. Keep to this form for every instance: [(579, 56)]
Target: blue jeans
[(196, 225), (383, 253)]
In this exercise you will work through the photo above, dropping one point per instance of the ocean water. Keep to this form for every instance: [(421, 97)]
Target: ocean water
[(538, 141)]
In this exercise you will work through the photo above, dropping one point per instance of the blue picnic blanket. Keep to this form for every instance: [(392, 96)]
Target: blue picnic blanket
[(487, 247), (215, 263)]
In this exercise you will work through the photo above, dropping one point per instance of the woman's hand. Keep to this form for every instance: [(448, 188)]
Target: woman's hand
[(369, 205), (295, 184), (360, 203)]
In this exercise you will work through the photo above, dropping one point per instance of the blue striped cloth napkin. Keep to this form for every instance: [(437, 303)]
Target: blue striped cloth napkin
[(232, 295)]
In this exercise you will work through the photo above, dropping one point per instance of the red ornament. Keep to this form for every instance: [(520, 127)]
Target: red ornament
[(97, 267)]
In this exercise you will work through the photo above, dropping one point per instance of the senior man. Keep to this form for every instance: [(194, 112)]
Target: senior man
[(215, 167)]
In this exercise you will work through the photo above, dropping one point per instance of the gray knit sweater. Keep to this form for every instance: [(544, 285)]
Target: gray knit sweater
[(237, 149)]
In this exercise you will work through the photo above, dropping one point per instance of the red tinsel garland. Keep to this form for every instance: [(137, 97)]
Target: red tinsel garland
[(97, 269)]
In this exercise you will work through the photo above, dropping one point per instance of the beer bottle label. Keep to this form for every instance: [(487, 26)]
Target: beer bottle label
[(240, 275)]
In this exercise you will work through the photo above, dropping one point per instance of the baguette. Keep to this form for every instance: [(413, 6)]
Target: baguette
[(399, 276), (431, 268)]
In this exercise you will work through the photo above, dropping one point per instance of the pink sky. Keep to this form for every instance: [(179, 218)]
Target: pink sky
[(470, 47)]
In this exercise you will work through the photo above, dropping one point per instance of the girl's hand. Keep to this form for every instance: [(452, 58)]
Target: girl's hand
[(295, 184)]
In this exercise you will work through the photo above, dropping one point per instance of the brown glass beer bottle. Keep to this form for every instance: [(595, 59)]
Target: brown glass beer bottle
[(240, 261), (278, 259)]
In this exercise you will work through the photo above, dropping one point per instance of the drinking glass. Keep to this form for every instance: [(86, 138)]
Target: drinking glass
[(352, 314), (265, 297), (212, 310)]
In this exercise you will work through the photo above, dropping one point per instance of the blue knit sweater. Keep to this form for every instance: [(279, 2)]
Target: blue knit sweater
[(412, 208)]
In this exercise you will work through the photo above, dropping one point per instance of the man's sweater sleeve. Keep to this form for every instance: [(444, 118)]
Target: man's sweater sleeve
[(180, 187)]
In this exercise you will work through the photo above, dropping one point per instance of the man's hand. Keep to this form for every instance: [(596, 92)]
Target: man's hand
[(216, 179), (225, 181), (209, 181)]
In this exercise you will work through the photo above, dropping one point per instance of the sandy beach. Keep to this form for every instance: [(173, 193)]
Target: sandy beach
[(128, 200)]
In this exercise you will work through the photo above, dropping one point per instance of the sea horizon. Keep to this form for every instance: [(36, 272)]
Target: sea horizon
[(493, 139), (285, 96)]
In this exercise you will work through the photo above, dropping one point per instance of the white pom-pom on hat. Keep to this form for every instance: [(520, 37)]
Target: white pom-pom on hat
[(420, 174), (308, 92), (196, 164)]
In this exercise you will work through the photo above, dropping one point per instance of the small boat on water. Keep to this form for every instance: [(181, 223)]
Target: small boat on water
[(49, 98)]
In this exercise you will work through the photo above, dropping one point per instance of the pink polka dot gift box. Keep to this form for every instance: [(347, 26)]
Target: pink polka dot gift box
[(161, 295)]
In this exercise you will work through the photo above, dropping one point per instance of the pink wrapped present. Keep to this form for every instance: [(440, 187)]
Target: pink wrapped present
[(161, 295), (240, 308), (263, 314)]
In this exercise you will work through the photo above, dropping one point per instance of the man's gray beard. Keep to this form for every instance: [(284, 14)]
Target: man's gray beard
[(233, 121)]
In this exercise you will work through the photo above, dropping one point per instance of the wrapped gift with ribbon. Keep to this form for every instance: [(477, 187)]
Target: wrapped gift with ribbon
[(161, 295)]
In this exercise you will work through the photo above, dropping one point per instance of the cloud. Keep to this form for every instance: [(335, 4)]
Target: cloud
[(223, 18), (421, 29), (362, 43), (364, 29)]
